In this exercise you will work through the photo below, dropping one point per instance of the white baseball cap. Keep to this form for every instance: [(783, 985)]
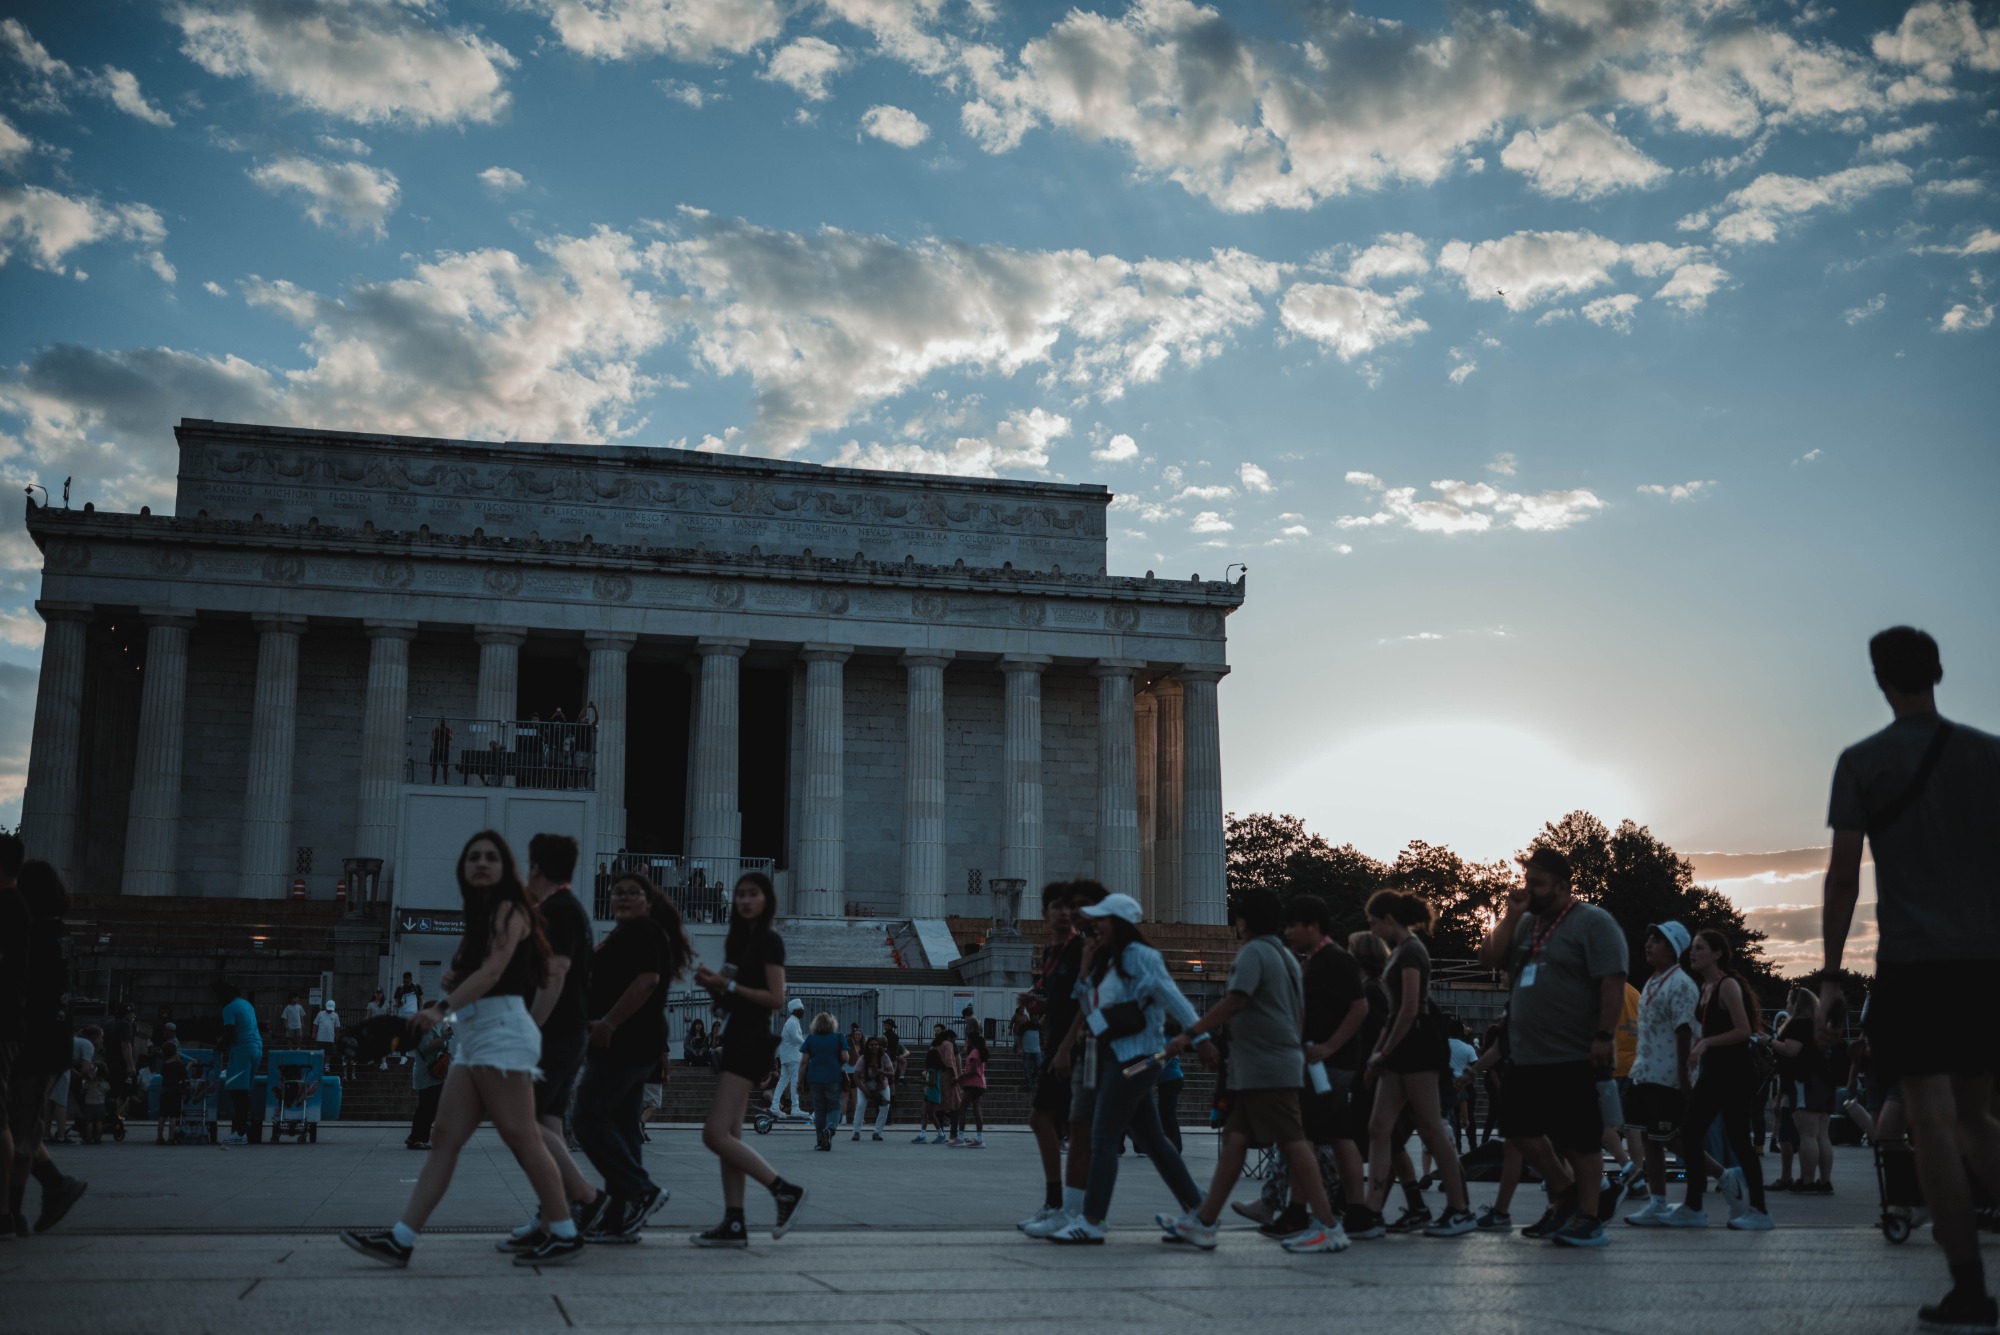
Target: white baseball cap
[(1116, 906)]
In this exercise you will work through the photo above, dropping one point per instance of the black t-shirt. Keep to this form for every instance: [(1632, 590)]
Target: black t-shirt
[(1333, 985), (568, 929), (1060, 1006), (1810, 1063), (117, 1033), (1404, 958), (753, 965), (1377, 997), (635, 947), (14, 920)]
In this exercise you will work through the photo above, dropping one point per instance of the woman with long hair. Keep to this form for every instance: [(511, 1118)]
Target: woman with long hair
[(1407, 1059), (694, 1048), (750, 987), (941, 1085), (501, 962), (1812, 1090), (874, 1078), (823, 1056), (972, 1090), (1726, 1017)]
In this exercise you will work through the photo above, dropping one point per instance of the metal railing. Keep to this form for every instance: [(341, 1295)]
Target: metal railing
[(848, 1006), (500, 753), (699, 887)]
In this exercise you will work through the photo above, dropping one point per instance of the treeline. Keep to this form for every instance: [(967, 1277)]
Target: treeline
[(1632, 875)]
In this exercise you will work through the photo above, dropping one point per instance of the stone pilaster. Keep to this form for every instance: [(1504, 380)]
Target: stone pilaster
[(152, 824), (51, 801), (1117, 778), (499, 675), (1021, 771), (262, 871), (923, 786), (606, 688), (1204, 863), (822, 879), (1167, 811), (715, 828), (1146, 764), (385, 707)]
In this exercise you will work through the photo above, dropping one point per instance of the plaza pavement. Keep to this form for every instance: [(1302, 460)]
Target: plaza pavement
[(894, 1238)]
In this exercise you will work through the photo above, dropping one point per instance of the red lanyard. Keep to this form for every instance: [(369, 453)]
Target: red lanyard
[(1540, 937), (1653, 985)]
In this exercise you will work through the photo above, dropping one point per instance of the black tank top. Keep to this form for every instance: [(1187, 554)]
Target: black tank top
[(1713, 1012), (522, 977)]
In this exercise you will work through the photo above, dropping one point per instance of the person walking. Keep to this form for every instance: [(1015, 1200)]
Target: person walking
[(875, 1084), (941, 1072), (821, 1058), (1566, 964), (972, 1090), (326, 1033), (786, 1099), (1052, 1001), (1797, 1045), (1264, 1008), (240, 1054), (1661, 1074), (1408, 1061), (1727, 1015), (646, 951), (40, 945), (751, 985), (850, 1087), (293, 1018), (427, 1074), (501, 963)]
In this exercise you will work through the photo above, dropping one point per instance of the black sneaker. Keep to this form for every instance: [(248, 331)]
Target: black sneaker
[(1364, 1224), (1960, 1314), (1561, 1209), (1609, 1196), (550, 1250), (642, 1211), (788, 1197), (1292, 1219), (587, 1215), (520, 1239), (619, 1223), (57, 1203), (381, 1246), (1412, 1221), (728, 1233)]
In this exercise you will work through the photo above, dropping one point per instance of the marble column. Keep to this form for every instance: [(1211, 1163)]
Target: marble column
[(153, 820), (1146, 763), (1021, 773), (715, 829), (1167, 812), (385, 745), (52, 799), (499, 697), (1117, 777), (610, 656), (1204, 864), (923, 785), (264, 867), (822, 875)]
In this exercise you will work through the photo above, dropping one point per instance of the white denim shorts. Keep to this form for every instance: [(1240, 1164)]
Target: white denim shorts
[(499, 1034)]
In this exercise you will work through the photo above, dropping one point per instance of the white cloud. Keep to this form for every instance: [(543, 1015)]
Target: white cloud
[(1462, 372), (1983, 242), (1965, 319), (1019, 444), (1353, 321), (502, 180), (214, 289), (14, 145), (1678, 491), (688, 30), (1811, 456), (830, 324), (804, 65), (353, 148), (1211, 492), (1208, 521), (55, 77), (1871, 307), (1296, 531), (1767, 202), (1254, 478), (1692, 285), (1471, 507), (49, 225), (687, 94), (1117, 450), (1393, 255), (24, 630), (893, 125), (367, 61), (1526, 269), (1580, 158), (1892, 142), (18, 684), (1615, 311), (1964, 187), (1504, 464), (1936, 37), (352, 195)]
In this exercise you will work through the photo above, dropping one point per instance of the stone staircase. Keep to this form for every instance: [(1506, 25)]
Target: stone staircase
[(841, 943)]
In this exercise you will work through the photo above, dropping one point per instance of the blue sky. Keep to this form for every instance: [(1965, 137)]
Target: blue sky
[(1582, 381)]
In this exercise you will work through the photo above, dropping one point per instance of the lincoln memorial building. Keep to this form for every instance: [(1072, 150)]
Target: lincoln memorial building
[(342, 654)]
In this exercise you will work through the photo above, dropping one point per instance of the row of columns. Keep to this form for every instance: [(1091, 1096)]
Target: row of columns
[(1166, 798)]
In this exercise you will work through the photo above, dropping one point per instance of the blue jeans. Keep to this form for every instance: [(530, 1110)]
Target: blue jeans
[(1031, 1062), (825, 1097), (606, 1119), (1126, 1105)]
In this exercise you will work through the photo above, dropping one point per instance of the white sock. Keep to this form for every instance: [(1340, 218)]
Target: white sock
[(1073, 1200), (534, 1225), (563, 1228), (404, 1235)]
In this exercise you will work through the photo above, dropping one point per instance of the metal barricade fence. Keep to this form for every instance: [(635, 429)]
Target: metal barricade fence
[(494, 753), (700, 887), (848, 1006)]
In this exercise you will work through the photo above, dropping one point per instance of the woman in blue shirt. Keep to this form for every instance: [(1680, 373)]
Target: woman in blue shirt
[(242, 1053), (1127, 996), (822, 1058)]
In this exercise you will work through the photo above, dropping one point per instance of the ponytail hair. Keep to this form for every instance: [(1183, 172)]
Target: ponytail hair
[(1411, 911)]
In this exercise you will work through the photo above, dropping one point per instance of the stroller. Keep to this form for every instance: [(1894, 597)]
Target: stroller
[(291, 1092), (1903, 1193), (195, 1123)]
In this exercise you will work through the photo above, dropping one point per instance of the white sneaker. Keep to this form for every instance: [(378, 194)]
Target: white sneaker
[(919, 1139), (1682, 1217), (236, 1140), (1078, 1231), (1652, 1215), (1189, 1228), (940, 1139), (1734, 1191), (1042, 1216), (1317, 1237), (1753, 1221), (1056, 1222)]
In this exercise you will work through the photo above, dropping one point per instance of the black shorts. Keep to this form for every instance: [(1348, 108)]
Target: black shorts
[(1905, 1037), (1558, 1101), (1052, 1097), (1419, 1051), (748, 1052), (1655, 1110), (1325, 1115), (562, 1060)]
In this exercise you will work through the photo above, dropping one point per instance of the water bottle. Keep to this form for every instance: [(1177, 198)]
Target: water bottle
[(1321, 1082), (1145, 1064)]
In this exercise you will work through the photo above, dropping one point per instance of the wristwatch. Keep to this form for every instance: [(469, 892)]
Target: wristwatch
[(730, 986)]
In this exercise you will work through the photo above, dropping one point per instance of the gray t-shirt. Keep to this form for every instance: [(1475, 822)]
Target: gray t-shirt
[(1936, 879), (1554, 1009), (1265, 1047)]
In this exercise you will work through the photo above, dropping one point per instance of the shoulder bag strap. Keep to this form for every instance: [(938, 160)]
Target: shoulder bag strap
[(1892, 813)]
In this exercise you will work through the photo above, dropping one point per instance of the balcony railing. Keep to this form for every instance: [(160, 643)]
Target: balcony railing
[(497, 753), (701, 887)]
